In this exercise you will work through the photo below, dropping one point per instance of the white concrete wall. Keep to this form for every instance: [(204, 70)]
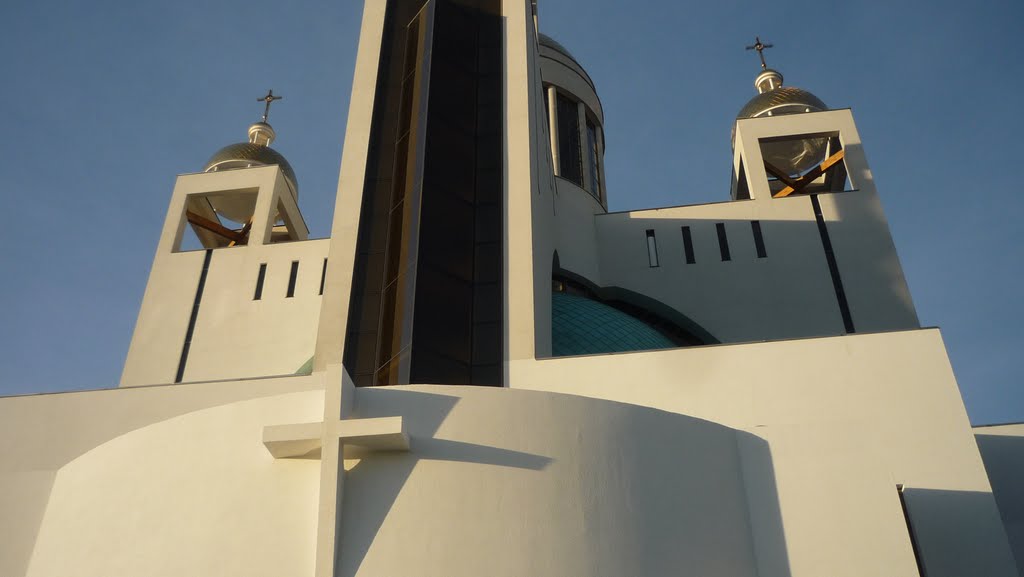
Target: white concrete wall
[(147, 482), (235, 336), (769, 459), (196, 494), (41, 434), (789, 294), (575, 230), (846, 419), (510, 483), (872, 276), (348, 206), (529, 193), (155, 349), (1002, 449), (238, 337)]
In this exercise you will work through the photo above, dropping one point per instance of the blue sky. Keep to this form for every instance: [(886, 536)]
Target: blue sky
[(105, 102)]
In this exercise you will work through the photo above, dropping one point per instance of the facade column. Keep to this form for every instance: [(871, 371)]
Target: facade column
[(552, 96), (603, 193), (586, 156)]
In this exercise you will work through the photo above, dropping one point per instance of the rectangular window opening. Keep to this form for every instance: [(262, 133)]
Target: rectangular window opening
[(570, 158), (192, 319), (739, 185), (323, 277), (259, 282), (652, 248), (723, 241), (291, 279), (755, 226), (688, 246)]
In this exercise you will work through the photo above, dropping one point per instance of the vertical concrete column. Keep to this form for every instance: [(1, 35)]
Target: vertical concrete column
[(600, 167), (264, 213), (552, 96), (585, 154)]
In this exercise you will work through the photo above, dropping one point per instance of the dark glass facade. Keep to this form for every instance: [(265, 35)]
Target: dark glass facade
[(426, 302), (570, 160)]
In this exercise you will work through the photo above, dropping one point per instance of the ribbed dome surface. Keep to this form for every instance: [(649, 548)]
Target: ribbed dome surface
[(782, 100), (582, 326), (244, 153)]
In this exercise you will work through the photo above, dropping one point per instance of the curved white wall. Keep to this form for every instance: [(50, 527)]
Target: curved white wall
[(504, 482), (197, 494)]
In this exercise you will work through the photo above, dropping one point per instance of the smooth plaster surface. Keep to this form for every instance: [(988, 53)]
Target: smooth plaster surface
[(1002, 450), (192, 495), (235, 336), (846, 420), (40, 434), (823, 429)]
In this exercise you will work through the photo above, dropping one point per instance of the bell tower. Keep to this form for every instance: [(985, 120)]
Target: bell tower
[(793, 157), (235, 286)]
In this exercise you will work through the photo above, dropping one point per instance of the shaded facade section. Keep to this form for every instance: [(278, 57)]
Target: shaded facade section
[(431, 218)]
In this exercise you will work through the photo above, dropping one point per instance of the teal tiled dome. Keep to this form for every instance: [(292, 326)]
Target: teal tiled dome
[(582, 326)]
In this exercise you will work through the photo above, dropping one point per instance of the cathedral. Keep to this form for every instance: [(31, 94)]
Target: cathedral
[(483, 371)]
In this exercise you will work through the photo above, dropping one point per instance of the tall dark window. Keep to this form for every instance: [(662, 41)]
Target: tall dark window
[(755, 226), (570, 161), (688, 246), (723, 241), (259, 282), (431, 222), (595, 160), (652, 248), (292, 277)]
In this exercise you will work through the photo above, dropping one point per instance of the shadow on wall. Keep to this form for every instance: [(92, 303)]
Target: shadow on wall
[(555, 485), (945, 524), (748, 272), (1004, 461)]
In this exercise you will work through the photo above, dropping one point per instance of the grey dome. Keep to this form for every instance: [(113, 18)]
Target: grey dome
[(244, 154), (553, 44), (782, 100)]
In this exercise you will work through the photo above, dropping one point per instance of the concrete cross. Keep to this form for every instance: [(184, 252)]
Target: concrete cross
[(332, 440)]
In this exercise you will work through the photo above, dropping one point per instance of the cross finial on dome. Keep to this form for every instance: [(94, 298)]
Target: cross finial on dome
[(268, 99), (760, 50)]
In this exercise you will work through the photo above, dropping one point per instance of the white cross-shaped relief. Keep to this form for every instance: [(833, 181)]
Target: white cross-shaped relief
[(332, 440)]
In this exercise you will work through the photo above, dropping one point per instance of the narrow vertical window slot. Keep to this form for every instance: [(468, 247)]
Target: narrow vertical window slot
[(755, 226), (652, 248), (723, 241), (192, 319), (259, 282), (833, 266), (291, 279), (688, 245), (323, 277), (911, 533)]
